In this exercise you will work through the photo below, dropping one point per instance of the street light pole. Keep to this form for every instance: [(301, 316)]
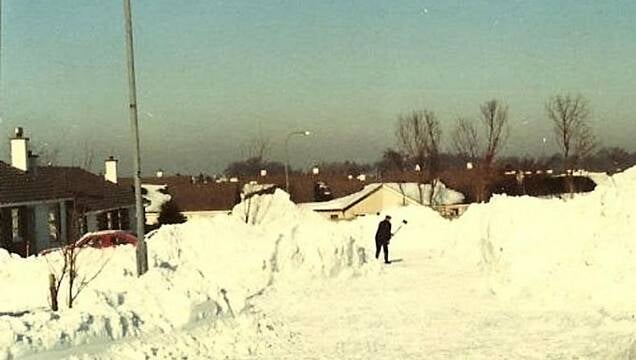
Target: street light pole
[(303, 133), (142, 252)]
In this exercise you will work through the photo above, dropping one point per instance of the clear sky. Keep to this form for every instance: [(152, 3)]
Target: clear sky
[(213, 74)]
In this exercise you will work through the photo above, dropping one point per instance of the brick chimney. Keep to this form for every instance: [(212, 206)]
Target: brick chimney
[(33, 163), (111, 170)]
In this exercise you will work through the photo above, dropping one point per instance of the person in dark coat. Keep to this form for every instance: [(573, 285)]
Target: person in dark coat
[(382, 237)]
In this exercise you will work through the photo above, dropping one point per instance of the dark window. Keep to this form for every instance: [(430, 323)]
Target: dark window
[(102, 221), (124, 218)]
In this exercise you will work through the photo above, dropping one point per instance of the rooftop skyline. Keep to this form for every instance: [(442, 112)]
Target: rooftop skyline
[(212, 75)]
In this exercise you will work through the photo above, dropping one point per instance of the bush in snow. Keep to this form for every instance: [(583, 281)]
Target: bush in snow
[(170, 214)]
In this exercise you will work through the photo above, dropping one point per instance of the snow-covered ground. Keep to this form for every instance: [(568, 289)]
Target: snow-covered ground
[(518, 277)]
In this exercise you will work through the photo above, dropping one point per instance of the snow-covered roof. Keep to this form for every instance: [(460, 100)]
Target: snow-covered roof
[(420, 193), (156, 195), (343, 202), (413, 191)]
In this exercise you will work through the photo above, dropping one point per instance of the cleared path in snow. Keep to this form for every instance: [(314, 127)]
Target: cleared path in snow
[(419, 308)]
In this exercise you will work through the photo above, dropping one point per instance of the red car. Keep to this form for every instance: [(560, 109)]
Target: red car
[(106, 238), (101, 239)]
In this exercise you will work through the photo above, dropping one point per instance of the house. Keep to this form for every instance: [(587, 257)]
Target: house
[(333, 196), (375, 197), (30, 212), (194, 198), (48, 206)]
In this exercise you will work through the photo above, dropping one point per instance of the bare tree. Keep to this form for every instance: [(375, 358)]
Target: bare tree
[(570, 116), (49, 153), (68, 268), (419, 135), (470, 145), (494, 117), (257, 147), (465, 140), (392, 160), (86, 157)]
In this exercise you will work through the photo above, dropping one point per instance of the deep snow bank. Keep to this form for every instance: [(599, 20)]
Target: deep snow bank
[(560, 252), (204, 269)]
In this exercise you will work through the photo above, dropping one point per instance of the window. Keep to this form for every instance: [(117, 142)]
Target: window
[(54, 223), (95, 242), (15, 225), (109, 220), (124, 217), (102, 221)]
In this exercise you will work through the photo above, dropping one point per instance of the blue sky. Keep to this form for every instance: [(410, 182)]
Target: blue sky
[(214, 74)]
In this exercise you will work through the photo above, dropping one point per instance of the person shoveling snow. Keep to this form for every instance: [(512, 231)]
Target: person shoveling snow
[(383, 236)]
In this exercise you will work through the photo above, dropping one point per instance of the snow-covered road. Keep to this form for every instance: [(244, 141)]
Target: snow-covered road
[(417, 309)]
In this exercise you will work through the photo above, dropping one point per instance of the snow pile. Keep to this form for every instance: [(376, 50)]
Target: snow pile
[(422, 192), (558, 252), (203, 269), (303, 240)]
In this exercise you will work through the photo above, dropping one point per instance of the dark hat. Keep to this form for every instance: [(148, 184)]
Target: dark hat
[(388, 217)]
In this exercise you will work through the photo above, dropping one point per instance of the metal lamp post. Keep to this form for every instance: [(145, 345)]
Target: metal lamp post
[(142, 251), (303, 133)]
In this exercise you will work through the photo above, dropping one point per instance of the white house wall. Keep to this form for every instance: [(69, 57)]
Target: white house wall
[(332, 215), (370, 205), (382, 199), (152, 218)]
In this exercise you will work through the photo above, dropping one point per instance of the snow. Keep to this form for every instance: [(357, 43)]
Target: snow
[(157, 196), (442, 195), (421, 193), (344, 201), (518, 277)]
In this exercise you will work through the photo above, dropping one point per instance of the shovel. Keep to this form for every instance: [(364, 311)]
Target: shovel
[(404, 222)]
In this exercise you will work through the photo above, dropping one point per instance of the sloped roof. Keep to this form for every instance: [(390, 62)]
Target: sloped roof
[(16, 186), (345, 202), (91, 191), (204, 197), (188, 196)]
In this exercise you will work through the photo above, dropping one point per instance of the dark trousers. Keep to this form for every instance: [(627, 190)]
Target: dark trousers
[(382, 245)]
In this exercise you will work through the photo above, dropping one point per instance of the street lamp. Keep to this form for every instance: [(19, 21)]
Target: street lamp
[(303, 133), (543, 148)]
